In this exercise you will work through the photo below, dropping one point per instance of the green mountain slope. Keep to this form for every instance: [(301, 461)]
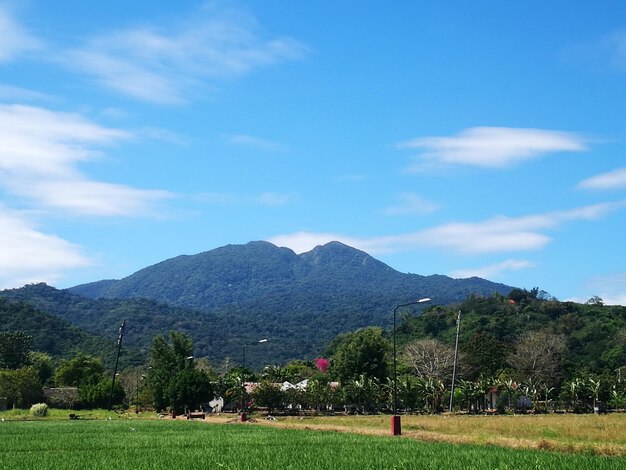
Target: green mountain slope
[(51, 334), (237, 294), (244, 274)]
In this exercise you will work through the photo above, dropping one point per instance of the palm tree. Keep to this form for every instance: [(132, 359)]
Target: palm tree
[(273, 373), (510, 386), (593, 386), (546, 394), (365, 392)]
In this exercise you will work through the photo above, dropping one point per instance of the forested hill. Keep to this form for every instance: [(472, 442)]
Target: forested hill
[(257, 272), (524, 332), (237, 294), (51, 334)]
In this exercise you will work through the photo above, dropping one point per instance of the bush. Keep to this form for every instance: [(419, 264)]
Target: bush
[(39, 410)]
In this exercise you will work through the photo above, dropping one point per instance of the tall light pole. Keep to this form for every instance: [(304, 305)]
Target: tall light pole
[(396, 428), (456, 352), (243, 417), (243, 356)]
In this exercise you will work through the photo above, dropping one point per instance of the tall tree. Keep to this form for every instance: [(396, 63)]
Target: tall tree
[(537, 356), (485, 355), (21, 387), (429, 358), (173, 379), (79, 370), (362, 353)]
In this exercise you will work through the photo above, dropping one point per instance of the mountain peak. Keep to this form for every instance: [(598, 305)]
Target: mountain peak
[(341, 258)]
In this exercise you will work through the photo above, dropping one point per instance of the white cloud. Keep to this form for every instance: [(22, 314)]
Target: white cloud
[(273, 199), (611, 288), (615, 179), (492, 271), (615, 45), (496, 235), (232, 199), (303, 241), (15, 39), (608, 51), (412, 204), (161, 65), (255, 143), (39, 154), (44, 142), (29, 255), (493, 147), (85, 197)]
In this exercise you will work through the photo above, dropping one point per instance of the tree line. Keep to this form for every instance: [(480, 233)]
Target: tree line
[(524, 350)]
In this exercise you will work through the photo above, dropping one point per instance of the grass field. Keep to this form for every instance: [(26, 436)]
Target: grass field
[(596, 434), (155, 444)]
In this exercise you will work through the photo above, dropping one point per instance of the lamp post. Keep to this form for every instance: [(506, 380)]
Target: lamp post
[(396, 428), (456, 352), (243, 417), (243, 357)]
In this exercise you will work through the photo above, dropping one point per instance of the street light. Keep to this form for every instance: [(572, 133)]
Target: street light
[(242, 416), (243, 358), (396, 429), (137, 378), (456, 353)]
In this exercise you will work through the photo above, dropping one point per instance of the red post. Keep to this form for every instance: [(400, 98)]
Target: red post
[(396, 428), (243, 417)]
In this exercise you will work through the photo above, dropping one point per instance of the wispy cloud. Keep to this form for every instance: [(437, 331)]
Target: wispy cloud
[(273, 199), (255, 143), (13, 94), (16, 40), (615, 45), (30, 255), (412, 204), (607, 52), (615, 179), (496, 235), (611, 288), (84, 197), (162, 64), (492, 271), (492, 147), (233, 199), (39, 154)]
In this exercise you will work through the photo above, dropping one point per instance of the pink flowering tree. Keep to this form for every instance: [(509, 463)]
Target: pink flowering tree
[(321, 364)]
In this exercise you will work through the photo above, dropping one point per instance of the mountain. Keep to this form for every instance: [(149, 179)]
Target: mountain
[(242, 274), (237, 294)]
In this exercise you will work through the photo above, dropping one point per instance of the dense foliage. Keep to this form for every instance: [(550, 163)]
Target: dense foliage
[(243, 293), (496, 333), (173, 381), (237, 294), (524, 344), (47, 332)]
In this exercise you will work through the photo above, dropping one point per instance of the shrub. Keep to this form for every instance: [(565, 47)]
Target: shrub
[(39, 410)]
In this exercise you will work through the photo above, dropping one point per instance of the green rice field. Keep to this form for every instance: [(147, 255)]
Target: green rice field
[(156, 444)]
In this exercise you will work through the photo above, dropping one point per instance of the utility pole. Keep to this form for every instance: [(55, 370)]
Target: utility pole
[(456, 350), (117, 359)]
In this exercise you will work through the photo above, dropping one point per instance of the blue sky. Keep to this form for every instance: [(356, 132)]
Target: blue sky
[(458, 138)]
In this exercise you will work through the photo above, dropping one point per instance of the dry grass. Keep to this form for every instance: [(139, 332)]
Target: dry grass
[(592, 434)]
